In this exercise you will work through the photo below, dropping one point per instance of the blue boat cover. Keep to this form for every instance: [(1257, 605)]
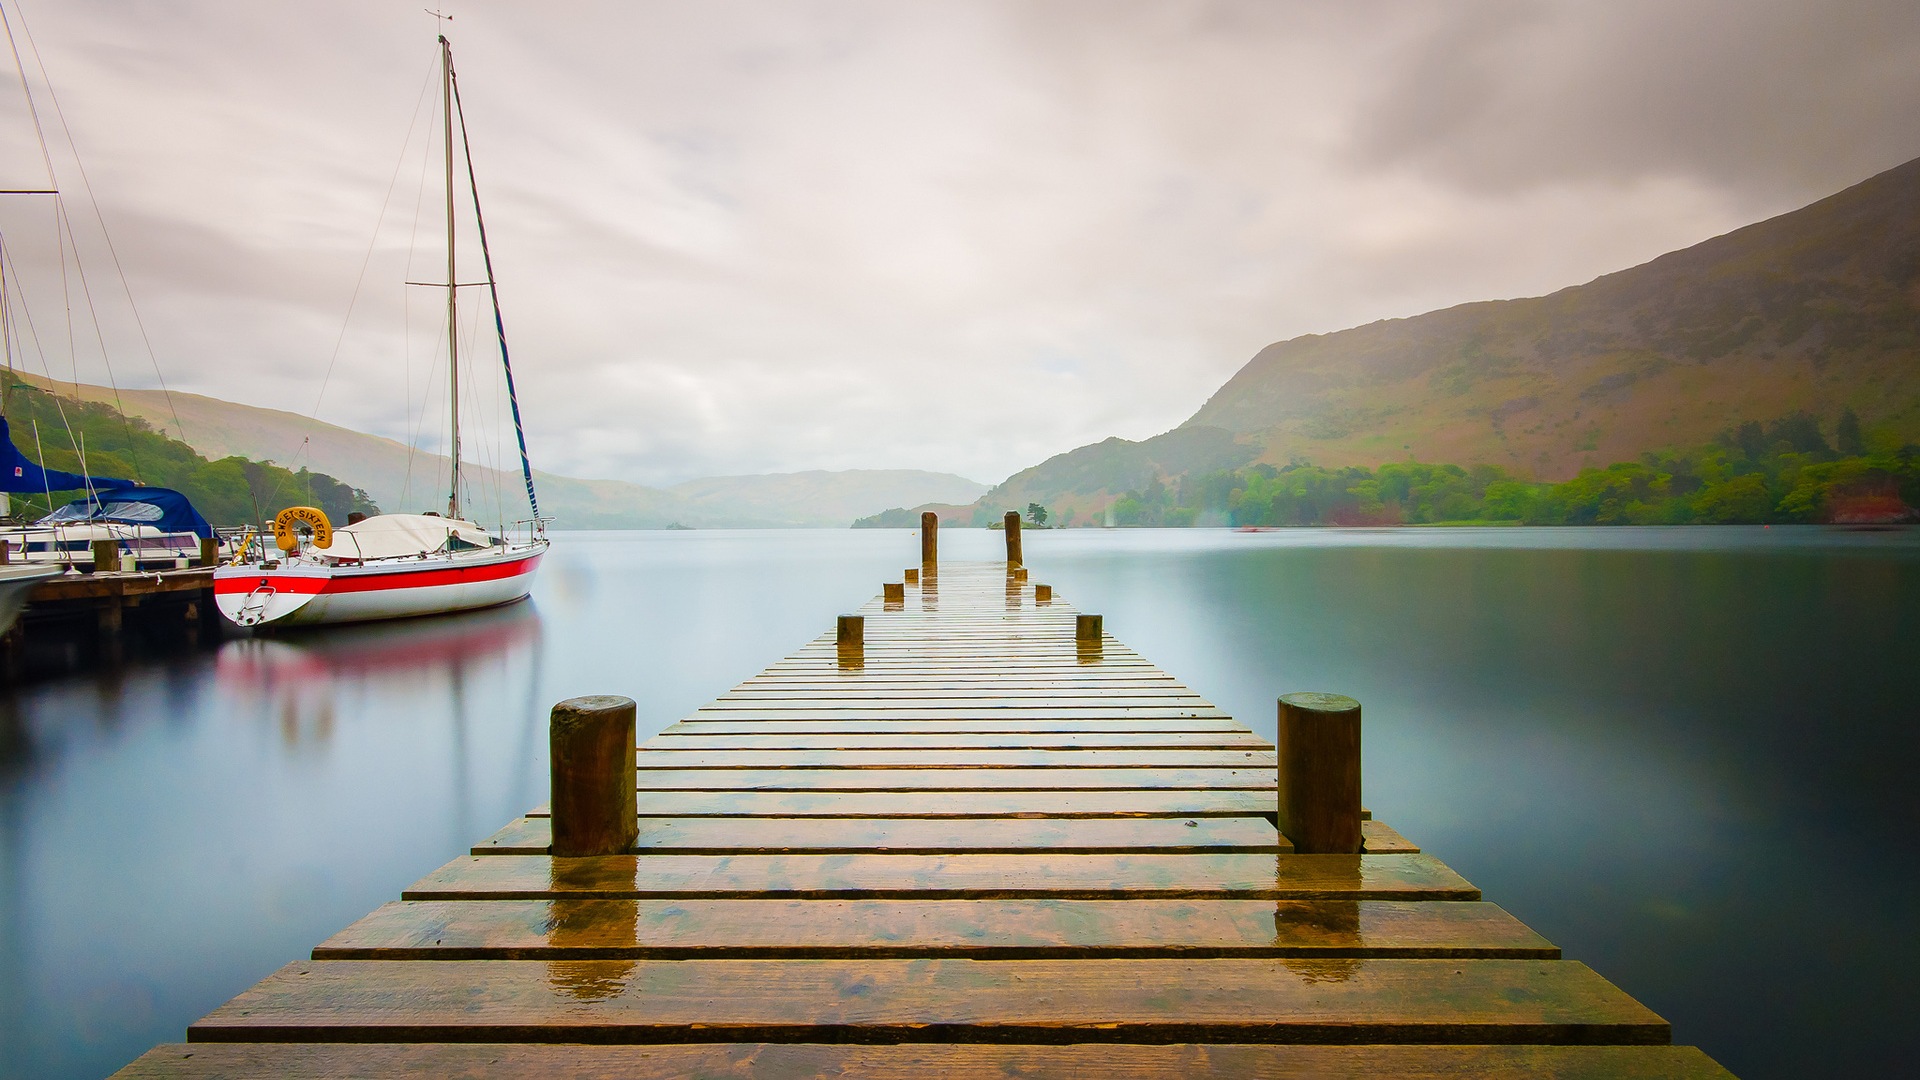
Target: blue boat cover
[(19, 474), (163, 508)]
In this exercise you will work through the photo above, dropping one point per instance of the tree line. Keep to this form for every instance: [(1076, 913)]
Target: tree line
[(231, 491), (1783, 471)]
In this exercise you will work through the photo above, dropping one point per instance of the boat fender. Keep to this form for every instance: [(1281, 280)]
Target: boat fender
[(285, 536)]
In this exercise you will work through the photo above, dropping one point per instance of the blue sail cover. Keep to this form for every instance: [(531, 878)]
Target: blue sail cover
[(163, 508), (19, 474)]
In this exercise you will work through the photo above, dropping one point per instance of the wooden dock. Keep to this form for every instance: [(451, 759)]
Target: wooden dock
[(970, 843), (99, 606)]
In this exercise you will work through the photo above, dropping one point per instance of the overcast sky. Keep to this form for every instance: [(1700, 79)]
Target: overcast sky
[(773, 236)]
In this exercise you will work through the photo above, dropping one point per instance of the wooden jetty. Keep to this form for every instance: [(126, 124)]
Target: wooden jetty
[(100, 604), (965, 833)]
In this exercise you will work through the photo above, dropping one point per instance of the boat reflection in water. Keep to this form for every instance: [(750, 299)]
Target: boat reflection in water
[(303, 677)]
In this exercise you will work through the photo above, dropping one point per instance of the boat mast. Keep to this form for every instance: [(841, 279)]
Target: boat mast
[(453, 283)]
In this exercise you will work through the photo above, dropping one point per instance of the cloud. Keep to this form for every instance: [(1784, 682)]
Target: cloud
[(738, 237)]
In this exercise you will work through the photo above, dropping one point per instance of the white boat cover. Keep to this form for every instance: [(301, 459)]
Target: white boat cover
[(393, 536)]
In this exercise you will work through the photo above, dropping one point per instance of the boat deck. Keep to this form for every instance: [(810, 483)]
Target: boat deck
[(972, 845)]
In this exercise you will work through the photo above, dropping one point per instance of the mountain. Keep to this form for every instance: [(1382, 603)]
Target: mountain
[(1815, 310), (401, 479), (1078, 485)]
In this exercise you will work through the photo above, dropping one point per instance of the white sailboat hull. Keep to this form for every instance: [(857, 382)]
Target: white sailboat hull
[(304, 594)]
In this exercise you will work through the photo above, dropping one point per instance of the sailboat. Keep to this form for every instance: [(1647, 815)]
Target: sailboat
[(391, 566)]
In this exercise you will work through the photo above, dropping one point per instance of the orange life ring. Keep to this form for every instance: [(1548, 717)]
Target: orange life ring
[(315, 519)]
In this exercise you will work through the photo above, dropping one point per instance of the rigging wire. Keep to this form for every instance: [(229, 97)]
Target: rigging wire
[(86, 185), (493, 289), (359, 280)]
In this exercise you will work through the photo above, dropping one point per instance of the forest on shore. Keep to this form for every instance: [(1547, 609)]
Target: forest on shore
[(54, 431), (1784, 471)]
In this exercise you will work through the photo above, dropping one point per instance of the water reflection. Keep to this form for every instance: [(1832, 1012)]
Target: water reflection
[(1675, 753)]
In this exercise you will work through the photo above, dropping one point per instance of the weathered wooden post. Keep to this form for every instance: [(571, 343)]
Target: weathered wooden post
[(893, 592), (1043, 594), (929, 540), (1086, 628), (595, 806), (1019, 575), (852, 630), (1319, 743), (6, 552), (1013, 540), (106, 556), (913, 576), (209, 551)]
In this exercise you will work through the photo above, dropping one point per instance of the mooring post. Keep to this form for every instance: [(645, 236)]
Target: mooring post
[(852, 630), (1043, 594), (913, 576), (209, 551), (6, 552), (1013, 540), (106, 556), (1020, 575), (893, 592), (1319, 743), (1085, 627), (594, 800), (929, 540)]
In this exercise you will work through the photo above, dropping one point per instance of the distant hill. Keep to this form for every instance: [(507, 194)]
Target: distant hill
[(400, 479), (1079, 484), (1815, 310), (820, 498)]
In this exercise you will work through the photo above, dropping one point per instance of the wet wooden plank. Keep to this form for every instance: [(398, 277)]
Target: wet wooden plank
[(937, 1000), (678, 740), (799, 779), (654, 759), (975, 929), (1024, 715), (964, 724), (762, 1061), (915, 836), (937, 877), (1379, 838), (1066, 696), (1167, 802)]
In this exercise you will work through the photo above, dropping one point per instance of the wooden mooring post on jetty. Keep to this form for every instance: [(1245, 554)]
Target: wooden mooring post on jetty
[(1002, 843)]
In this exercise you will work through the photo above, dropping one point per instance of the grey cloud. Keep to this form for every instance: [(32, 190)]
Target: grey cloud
[(1775, 101), (770, 236)]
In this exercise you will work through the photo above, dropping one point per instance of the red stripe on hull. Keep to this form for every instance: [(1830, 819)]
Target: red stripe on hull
[(375, 582)]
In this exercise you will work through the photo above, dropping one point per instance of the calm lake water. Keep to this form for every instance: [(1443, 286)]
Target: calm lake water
[(1685, 756)]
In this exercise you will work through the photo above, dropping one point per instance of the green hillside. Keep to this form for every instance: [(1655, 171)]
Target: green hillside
[(228, 492)]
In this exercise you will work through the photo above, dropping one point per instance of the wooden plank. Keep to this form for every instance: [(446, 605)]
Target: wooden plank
[(653, 759), (1170, 802), (937, 1000), (762, 1061), (1066, 695), (966, 724), (676, 740), (951, 779), (916, 836), (1186, 702), (974, 929), (1379, 838), (1026, 715), (942, 877)]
